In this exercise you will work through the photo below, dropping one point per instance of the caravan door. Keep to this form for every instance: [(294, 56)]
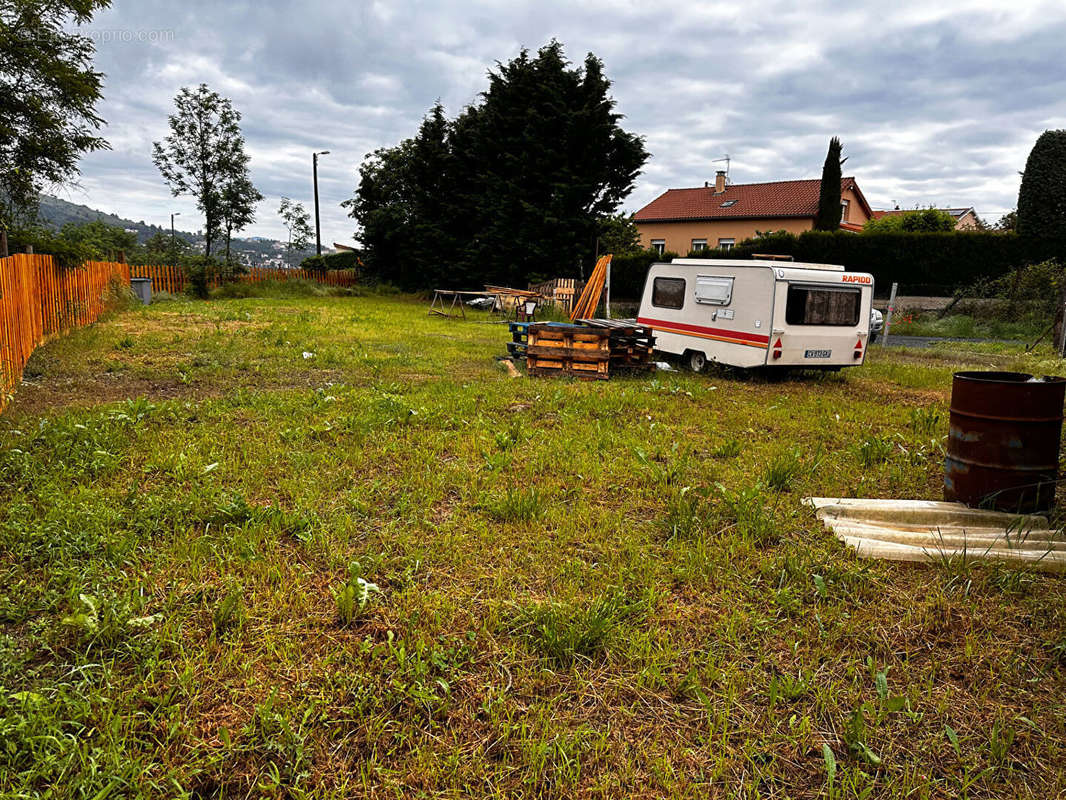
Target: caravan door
[(820, 321)]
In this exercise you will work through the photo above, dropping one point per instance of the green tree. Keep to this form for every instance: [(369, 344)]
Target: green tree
[(618, 234), (382, 208), (161, 248), (1008, 223), (1042, 197), (297, 222), (239, 199), (515, 186), (406, 204), (203, 152), (48, 96), (829, 209), (101, 241), (920, 220)]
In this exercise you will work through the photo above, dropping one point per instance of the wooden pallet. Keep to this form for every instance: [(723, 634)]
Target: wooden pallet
[(574, 350), (550, 368), (516, 348), (632, 345)]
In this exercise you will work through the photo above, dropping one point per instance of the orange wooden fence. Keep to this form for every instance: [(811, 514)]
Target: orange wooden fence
[(38, 301), (173, 279)]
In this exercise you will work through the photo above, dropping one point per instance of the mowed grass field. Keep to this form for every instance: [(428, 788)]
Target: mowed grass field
[(326, 547)]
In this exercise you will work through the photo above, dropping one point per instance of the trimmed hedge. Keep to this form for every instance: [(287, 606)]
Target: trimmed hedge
[(945, 261), (628, 272)]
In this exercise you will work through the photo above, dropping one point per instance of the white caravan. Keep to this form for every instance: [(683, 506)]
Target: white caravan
[(758, 313)]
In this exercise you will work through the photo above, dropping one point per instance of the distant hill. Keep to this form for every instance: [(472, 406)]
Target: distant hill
[(56, 213), (255, 251)]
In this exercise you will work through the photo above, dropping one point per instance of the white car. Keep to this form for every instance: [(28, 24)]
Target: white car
[(877, 324)]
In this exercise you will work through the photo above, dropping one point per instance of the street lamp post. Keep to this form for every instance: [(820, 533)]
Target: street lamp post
[(173, 241), (318, 228)]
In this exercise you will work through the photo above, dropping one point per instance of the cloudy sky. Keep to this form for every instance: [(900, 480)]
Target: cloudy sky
[(936, 103)]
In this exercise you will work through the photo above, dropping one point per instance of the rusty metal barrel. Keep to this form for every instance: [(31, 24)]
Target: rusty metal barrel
[(1003, 441)]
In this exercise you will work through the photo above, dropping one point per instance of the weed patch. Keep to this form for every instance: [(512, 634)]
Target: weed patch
[(565, 633)]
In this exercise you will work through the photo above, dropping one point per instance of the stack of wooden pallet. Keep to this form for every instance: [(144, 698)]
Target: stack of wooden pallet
[(594, 349), (632, 346)]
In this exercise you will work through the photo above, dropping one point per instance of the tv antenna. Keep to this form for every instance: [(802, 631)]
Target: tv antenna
[(726, 159)]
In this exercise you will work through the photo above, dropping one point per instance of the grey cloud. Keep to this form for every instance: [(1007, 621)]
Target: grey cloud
[(934, 104)]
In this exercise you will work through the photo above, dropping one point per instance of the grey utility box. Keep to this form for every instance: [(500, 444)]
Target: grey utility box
[(142, 287)]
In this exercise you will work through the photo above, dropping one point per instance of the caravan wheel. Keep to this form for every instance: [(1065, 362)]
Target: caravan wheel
[(697, 361)]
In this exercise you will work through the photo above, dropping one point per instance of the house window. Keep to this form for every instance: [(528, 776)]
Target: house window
[(658, 245), (714, 291), (818, 305), (726, 244), (699, 244), (668, 292), (843, 210), (728, 204)]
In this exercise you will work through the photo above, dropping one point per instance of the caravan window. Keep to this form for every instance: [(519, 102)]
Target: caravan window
[(714, 291), (822, 305), (668, 292)]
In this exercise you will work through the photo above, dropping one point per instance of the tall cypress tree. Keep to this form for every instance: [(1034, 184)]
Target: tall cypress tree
[(829, 209), (1042, 197)]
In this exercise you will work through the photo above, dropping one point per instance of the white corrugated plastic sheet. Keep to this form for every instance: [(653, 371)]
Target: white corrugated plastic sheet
[(931, 531)]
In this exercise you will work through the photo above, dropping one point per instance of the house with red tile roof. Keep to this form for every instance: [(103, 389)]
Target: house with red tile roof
[(725, 214)]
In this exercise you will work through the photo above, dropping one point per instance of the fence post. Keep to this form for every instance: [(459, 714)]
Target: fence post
[(1061, 344), (888, 316), (607, 289)]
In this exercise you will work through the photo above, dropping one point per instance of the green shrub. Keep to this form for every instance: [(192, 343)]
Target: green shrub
[(201, 270), (67, 253), (345, 259), (1032, 290), (925, 220)]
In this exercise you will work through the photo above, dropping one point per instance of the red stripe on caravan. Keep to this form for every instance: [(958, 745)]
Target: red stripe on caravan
[(753, 338)]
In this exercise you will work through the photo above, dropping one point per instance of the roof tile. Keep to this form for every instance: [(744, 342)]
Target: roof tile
[(778, 199)]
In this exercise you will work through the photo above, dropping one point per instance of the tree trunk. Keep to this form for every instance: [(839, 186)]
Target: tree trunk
[(1060, 320)]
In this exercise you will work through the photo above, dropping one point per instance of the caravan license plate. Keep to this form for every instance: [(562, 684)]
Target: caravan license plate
[(818, 354)]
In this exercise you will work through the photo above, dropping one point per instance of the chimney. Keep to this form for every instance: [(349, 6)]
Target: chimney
[(719, 181)]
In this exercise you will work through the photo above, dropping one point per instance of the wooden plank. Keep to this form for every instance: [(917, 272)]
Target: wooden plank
[(567, 353)]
